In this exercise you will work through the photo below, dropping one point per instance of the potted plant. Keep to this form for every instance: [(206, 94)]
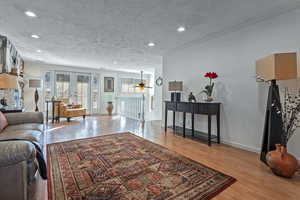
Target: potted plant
[(282, 163), (208, 90)]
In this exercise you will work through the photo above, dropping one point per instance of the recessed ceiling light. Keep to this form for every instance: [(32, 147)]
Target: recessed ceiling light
[(181, 29), (115, 62), (35, 36), (30, 13), (151, 44), (39, 51)]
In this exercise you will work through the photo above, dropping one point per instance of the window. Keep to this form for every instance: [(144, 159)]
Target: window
[(128, 85)]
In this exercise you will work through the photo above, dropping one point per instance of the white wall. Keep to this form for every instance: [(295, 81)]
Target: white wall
[(32, 70), (157, 96), (233, 57), (103, 100)]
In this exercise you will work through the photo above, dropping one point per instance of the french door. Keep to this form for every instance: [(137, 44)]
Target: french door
[(74, 86), (79, 88)]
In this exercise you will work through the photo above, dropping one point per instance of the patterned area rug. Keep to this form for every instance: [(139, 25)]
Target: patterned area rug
[(124, 166)]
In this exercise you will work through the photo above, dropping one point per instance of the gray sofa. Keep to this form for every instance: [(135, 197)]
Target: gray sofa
[(18, 164)]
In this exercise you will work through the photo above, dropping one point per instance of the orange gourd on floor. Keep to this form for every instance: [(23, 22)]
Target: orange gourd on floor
[(281, 162)]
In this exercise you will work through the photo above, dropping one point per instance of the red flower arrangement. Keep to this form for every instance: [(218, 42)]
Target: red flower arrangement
[(209, 88), (211, 75)]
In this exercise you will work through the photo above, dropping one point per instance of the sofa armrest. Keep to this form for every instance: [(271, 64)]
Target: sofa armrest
[(24, 117), (15, 158), (13, 152), (13, 182)]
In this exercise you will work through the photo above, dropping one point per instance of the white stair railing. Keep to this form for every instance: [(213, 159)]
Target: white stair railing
[(131, 107)]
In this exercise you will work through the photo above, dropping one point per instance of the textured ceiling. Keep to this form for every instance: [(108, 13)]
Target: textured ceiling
[(114, 33)]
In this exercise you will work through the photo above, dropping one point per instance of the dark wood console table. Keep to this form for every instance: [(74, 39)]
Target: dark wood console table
[(53, 102), (208, 109)]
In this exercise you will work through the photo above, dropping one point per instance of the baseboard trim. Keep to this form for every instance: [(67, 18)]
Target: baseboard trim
[(241, 146), (245, 147)]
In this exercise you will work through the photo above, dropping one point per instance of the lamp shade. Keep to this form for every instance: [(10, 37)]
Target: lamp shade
[(175, 85), (281, 66), (8, 81), (34, 83)]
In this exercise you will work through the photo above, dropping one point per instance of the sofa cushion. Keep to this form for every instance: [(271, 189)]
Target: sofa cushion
[(24, 118), (74, 106), (30, 135), (28, 126), (74, 112), (3, 121)]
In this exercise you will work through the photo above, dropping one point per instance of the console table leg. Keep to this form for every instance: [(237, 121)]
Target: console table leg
[(174, 121), (184, 115), (209, 130), (193, 124), (47, 113), (166, 119), (218, 127), (58, 112), (53, 117)]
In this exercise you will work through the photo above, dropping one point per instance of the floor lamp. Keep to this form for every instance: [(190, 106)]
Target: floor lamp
[(282, 66), (35, 83)]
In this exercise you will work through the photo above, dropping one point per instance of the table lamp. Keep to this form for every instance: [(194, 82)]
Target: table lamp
[(281, 66), (175, 87), (35, 83), (7, 81)]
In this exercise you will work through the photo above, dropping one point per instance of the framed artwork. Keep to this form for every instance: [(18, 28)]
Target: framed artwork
[(109, 84)]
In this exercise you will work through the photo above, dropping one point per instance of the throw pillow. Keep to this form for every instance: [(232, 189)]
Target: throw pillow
[(76, 106), (3, 121)]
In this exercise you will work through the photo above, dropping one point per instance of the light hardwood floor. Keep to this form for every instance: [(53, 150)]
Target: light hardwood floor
[(254, 179)]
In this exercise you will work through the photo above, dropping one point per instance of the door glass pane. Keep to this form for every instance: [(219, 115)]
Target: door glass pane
[(63, 85), (82, 97), (95, 95), (47, 86)]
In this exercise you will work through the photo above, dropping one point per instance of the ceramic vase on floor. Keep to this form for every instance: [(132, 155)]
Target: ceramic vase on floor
[(282, 163), (110, 107)]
